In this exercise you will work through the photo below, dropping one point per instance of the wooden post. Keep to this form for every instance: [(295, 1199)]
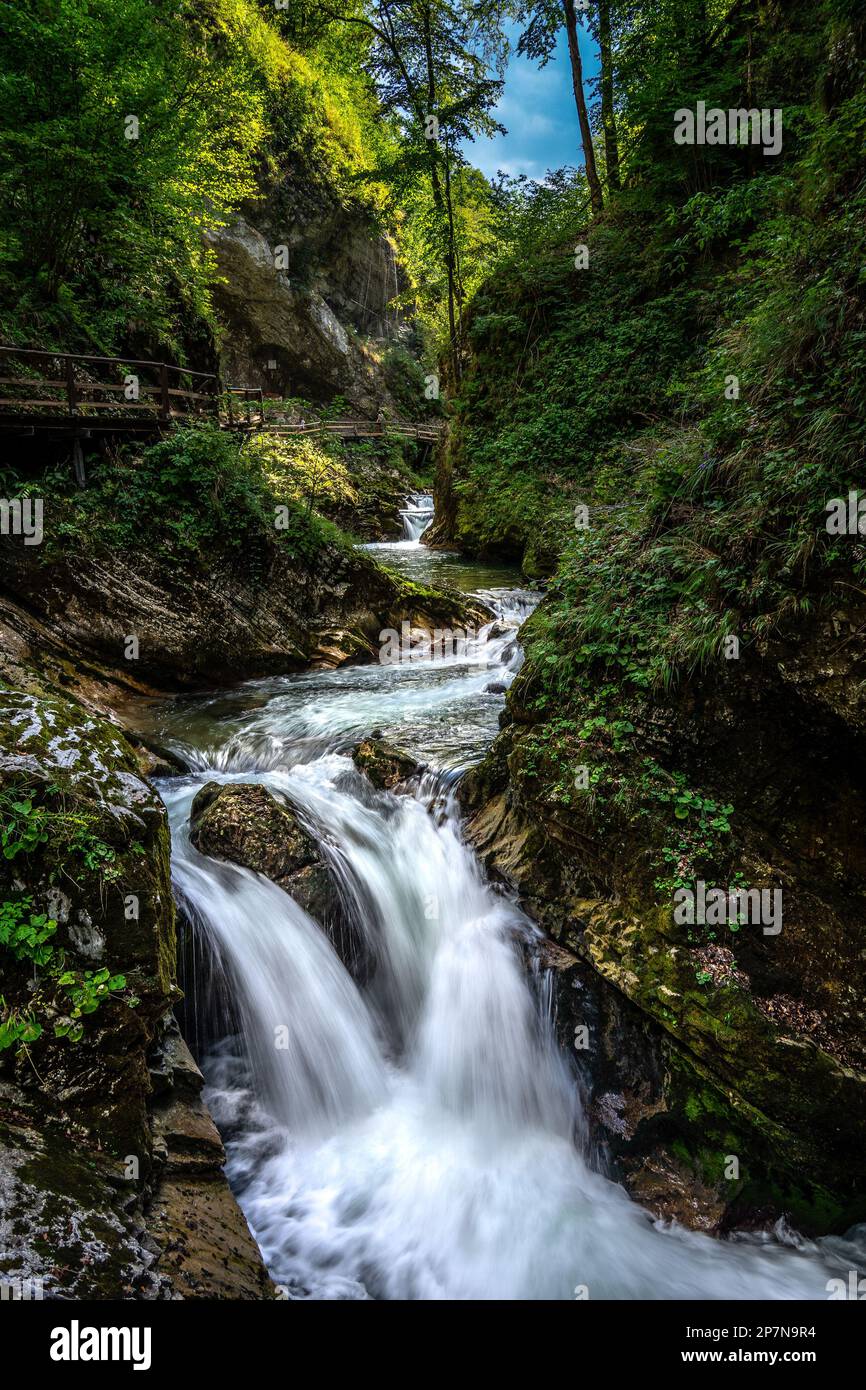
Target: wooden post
[(78, 461), (165, 410), (71, 393)]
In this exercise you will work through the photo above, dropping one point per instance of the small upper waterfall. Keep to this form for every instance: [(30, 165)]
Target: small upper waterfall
[(417, 515)]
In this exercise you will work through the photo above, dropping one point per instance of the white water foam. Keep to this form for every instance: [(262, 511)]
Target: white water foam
[(421, 1137)]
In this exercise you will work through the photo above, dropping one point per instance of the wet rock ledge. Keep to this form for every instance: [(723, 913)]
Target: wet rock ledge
[(111, 1178)]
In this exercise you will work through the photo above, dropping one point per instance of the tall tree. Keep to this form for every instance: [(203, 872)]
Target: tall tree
[(601, 28), (437, 66), (544, 19), (125, 129)]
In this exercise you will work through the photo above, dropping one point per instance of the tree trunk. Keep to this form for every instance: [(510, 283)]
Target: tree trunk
[(592, 178), (608, 117), (454, 261), (442, 202)]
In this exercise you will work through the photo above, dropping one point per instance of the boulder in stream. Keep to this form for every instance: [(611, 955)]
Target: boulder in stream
[(245, 824), (383, 764)]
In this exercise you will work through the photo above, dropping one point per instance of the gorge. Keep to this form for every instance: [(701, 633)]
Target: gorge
[(401, 1138), (432, 738)]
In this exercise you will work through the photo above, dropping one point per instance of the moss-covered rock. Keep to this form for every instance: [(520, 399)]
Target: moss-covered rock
[(94, 857), (701, 1047), (75, 620), (246, 824), (100, 1098), (382, 763)]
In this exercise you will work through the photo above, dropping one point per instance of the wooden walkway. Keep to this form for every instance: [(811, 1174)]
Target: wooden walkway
[(361, 429), (62, 390), (79, 394)]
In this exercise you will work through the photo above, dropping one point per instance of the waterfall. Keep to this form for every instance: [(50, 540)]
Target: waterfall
[(417, 515), (310, 1039), (420, 1136)]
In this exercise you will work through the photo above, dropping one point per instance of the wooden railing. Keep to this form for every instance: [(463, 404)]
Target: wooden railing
[(75, 392), (361, 429), (70, 387), (243, 407)]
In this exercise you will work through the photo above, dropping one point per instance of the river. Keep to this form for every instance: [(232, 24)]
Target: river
[(419, 1136)]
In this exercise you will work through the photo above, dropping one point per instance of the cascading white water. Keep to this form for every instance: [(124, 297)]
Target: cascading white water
[(417, 514), (310, 1039), (420, 1137)]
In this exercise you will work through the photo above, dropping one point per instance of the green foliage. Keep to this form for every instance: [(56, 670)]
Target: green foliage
[(207, 492), (531, 217), (406, 380), (698, 841), (605, 387), (27, 936), (63, 838), (102, 233), (199, 497), (93, 852), (101, 230), (25, 933), (302, 470), (27, 826), (17, 1028), (23, 827), (85, 991), (564, 364)]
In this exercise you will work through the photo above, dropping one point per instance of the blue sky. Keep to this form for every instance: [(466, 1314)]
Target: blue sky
[(538, 110)]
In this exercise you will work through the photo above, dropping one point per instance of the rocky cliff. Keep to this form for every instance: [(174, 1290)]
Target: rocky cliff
[(306, 296), (704, 1044), (70, 616)]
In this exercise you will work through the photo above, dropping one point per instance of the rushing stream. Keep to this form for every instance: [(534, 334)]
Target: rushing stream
[(420, 1136)]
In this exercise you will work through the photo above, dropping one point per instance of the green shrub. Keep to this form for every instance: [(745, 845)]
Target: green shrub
[(27, 937)]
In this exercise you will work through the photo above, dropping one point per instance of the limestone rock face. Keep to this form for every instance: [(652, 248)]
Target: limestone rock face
[(316, 327), (68, 617), (101, 1130), (206, 1247)]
